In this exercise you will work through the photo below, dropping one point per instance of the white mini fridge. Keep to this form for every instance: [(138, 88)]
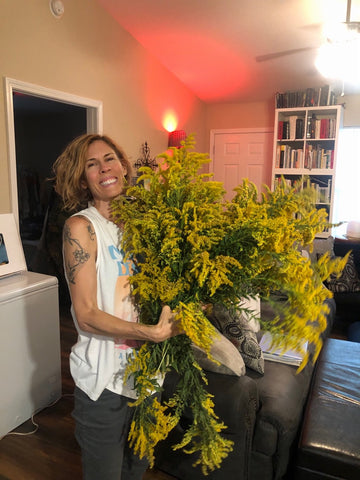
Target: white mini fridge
[(30, 356)]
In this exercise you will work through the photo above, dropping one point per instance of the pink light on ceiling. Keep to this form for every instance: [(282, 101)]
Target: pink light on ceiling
[(191, 58), (202, 74)]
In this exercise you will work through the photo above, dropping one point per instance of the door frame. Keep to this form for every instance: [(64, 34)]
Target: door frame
[(94, 122), (216, 131)]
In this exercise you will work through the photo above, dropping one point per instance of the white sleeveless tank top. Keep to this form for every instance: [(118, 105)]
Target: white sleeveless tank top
[(96, 361)]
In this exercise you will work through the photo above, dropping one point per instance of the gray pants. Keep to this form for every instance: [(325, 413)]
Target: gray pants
[(101, 430)]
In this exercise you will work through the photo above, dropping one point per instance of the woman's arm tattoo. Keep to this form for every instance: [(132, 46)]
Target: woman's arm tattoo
[(80, 255)]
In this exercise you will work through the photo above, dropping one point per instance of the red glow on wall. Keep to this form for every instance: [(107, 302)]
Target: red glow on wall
[(170, 104)]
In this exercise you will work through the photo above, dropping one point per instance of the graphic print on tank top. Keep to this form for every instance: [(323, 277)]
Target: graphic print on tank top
[(123, 304)]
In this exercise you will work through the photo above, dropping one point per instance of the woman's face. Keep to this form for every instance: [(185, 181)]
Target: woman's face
[(104, 173)]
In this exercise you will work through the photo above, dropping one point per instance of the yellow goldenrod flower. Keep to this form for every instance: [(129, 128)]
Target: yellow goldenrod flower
[(191, 248)]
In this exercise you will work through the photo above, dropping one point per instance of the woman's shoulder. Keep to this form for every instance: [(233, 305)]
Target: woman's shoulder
[(79, 224), (78, 219)]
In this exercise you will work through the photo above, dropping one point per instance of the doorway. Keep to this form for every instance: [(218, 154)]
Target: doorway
[(41, 122), (43, 128)]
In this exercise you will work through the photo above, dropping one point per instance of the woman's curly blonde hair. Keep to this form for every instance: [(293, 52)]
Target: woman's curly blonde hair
[(69, 169)]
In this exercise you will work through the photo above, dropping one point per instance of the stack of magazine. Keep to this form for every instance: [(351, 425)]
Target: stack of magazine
[(290, 357)]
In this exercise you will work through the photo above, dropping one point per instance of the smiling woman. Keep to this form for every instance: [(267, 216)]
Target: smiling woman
[(93, 171)]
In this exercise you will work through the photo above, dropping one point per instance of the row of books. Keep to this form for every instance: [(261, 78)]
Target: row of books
[(314, 157), (310, 97), (293, 128), (322, 188), (288, 157), (318, 157), (290, 182), (322, 192), (321, 127)]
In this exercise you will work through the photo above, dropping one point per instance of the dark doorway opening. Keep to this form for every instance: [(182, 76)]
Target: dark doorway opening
[(43, 128)]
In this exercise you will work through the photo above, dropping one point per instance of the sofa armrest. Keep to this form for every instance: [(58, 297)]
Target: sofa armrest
[(283, 394)]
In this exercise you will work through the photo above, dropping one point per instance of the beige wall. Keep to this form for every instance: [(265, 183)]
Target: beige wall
[(86, 53), (240, 115)]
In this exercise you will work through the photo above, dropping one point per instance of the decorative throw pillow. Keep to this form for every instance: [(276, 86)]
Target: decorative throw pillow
[(222, 350), (236, 328), (253, 304), (348, 281)]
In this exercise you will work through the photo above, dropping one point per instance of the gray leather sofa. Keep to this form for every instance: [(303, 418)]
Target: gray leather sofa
[(263, 414)]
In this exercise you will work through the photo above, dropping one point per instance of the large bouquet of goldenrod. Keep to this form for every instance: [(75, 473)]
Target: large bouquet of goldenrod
[(194, 249)]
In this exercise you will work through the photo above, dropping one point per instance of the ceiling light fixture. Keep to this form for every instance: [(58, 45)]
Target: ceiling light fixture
[(339, 57)]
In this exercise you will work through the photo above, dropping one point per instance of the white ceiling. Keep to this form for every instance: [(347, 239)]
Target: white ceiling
[(212, 45)]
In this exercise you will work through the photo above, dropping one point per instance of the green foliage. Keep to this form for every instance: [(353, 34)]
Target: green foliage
[(195, 249)]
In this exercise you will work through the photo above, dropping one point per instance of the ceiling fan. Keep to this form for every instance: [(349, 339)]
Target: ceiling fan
[(271, 56)]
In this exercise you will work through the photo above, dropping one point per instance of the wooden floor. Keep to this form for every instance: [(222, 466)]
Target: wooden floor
[(51, 453)]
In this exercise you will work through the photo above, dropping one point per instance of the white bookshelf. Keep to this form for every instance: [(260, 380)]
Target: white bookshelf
[(305, 147)]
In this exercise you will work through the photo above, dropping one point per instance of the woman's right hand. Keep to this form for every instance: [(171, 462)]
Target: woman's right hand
[(167, 326)]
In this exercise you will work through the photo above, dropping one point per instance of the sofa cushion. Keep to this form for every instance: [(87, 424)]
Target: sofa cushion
[(224, 352)]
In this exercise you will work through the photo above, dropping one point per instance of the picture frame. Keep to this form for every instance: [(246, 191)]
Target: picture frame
[(12, 258)]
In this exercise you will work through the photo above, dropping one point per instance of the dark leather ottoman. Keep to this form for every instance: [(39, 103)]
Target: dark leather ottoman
[(329, 446)]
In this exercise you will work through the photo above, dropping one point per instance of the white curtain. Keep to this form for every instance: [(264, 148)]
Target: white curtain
[(347, 180)]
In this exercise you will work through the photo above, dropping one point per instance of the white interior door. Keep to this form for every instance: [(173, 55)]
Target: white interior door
[(239, 154)]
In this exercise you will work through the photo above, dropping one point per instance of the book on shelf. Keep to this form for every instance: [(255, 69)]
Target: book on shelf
[(289, 357), (299, 128), (322, 128), (286, 130), (311, 126), (292, 127)]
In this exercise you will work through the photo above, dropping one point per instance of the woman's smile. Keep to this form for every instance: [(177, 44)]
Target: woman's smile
[(108, 181)]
